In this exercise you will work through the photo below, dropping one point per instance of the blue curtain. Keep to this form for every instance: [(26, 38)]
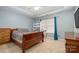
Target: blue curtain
[(55, 29)]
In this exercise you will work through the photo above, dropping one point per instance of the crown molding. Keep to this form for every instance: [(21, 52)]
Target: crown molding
[(48, 13), (56, 11)]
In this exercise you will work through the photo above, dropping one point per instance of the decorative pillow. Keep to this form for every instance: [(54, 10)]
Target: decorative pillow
[(22, 29)]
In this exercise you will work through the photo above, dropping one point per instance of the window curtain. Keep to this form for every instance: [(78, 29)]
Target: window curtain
[(55, 29)]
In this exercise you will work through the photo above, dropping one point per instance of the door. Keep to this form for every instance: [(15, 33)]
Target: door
[(48, 27)]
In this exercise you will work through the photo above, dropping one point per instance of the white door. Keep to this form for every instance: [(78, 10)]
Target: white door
[(48, 27)]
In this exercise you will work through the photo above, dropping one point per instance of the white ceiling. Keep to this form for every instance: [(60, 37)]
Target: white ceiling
[(44, 10)]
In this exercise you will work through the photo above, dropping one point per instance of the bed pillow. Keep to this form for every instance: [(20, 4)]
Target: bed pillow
[(22, 30)]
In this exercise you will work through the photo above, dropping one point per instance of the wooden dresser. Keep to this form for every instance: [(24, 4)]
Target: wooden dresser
[(72, 44), (4, 35)]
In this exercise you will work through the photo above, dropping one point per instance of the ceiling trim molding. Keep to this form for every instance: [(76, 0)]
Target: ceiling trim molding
[(49, 13), (56, 11)]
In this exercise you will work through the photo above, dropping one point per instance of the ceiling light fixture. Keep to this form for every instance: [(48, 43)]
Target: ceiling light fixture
[(37, 8)]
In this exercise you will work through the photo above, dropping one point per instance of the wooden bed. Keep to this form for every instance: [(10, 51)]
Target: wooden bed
[(29, 40)]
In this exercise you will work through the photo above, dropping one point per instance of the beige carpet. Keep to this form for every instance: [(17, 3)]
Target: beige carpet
[(49, 46)]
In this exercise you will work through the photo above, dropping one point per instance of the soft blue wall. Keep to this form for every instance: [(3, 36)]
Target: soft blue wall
[(65, 22), (14, 19)]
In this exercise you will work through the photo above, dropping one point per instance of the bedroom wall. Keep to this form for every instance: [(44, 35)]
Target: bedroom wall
[(65, 22), (14, 19)]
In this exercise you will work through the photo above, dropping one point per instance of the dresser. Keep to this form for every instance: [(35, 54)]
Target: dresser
[(72, 43), (4, 35)]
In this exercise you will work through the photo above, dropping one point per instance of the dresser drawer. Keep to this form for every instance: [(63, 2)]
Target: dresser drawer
[(5, 35)]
